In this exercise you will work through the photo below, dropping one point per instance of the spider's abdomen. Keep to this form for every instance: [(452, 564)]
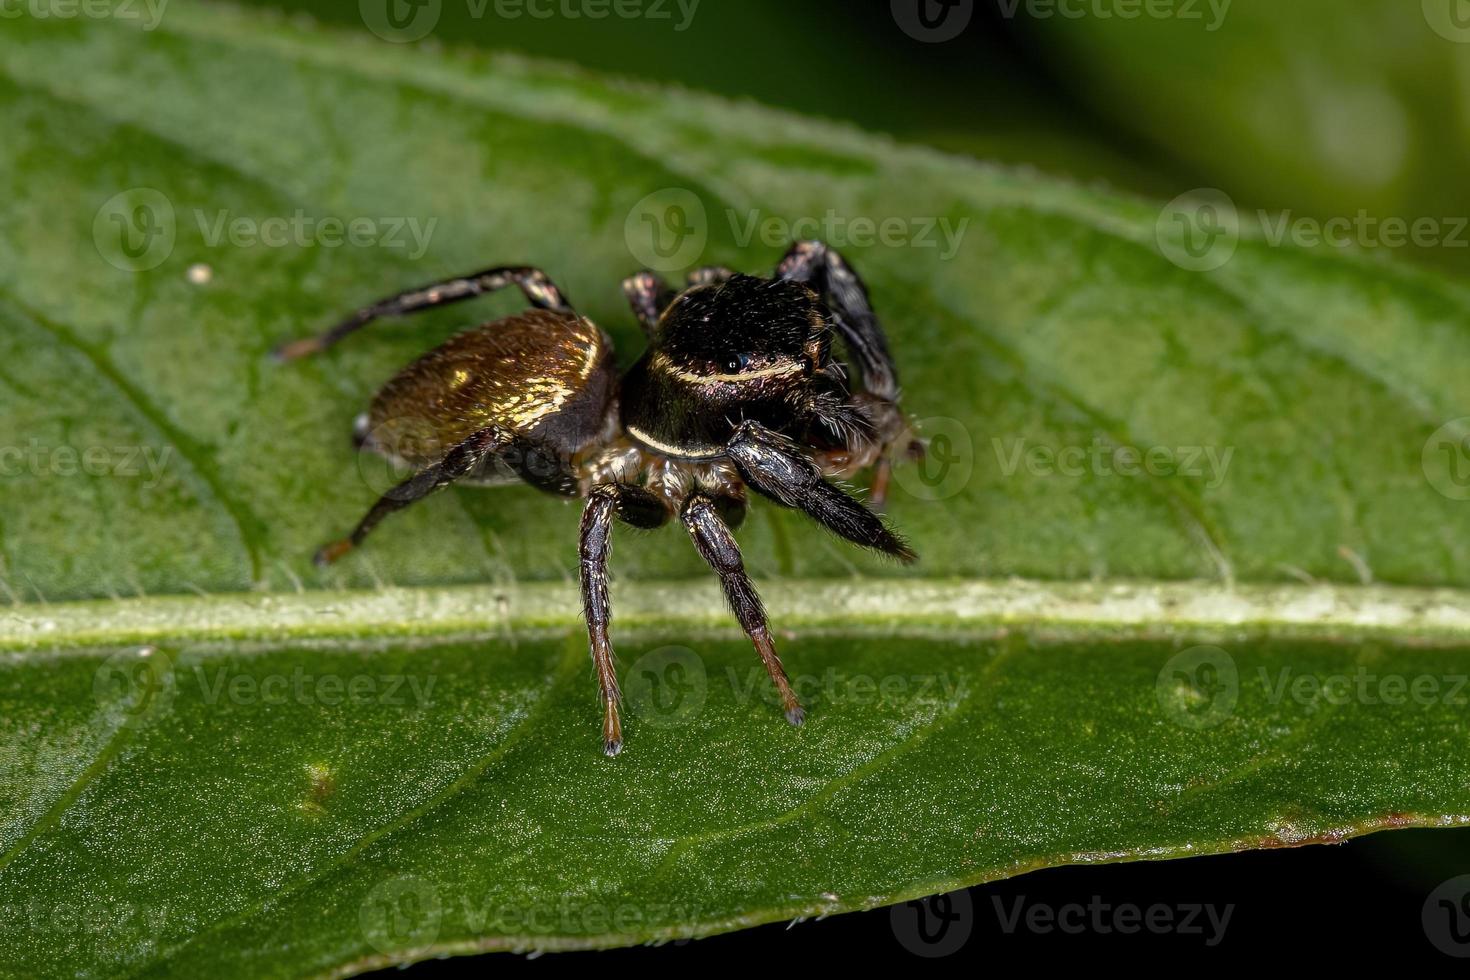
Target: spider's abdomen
[(542, 374)]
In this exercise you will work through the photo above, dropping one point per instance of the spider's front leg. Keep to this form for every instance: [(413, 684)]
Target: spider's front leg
[(830, 277), (647, 295), (778, 468), (717, 546), (634, 506), (828, 274)]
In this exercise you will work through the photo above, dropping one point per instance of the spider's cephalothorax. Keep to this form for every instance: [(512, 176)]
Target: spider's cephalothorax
[(739, 387)]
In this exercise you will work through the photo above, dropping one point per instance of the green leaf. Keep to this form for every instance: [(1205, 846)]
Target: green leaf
[(218, 760)]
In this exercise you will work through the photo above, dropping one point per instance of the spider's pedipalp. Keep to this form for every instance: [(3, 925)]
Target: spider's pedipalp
[(777, 468)]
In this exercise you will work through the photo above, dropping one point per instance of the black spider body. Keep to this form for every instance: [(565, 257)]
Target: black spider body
[(740, 387)]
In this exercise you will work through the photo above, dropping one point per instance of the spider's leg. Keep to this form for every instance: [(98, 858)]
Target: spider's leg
[(831, 278), (777, 468), (539, 290), (463, 458), (640, 508), (717, 546), (707, 274), (878, 489), (648, 295)]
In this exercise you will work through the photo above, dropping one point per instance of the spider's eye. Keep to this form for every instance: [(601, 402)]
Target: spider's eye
[(737, 362)]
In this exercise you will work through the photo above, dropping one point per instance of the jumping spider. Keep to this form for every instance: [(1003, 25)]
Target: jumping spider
[(738, 387)]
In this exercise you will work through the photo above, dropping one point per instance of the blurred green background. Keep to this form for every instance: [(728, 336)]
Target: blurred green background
[(1323, 108)]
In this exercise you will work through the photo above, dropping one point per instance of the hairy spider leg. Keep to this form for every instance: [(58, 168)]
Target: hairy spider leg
[(637, 507), (538, 288), (716, 545), (460, 460)]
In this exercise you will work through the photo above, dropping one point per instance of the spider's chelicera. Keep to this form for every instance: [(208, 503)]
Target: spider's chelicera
[(739, 387)]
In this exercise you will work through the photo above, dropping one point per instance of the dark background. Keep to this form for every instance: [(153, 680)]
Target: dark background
[(1006, 90)]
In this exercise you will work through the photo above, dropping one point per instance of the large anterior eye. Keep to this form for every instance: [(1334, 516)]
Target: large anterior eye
[(737, 362)]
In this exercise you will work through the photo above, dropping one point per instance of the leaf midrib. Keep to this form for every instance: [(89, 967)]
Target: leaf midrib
[(847, 607)]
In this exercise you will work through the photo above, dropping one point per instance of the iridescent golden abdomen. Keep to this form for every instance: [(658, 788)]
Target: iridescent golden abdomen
[(542, 374)]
